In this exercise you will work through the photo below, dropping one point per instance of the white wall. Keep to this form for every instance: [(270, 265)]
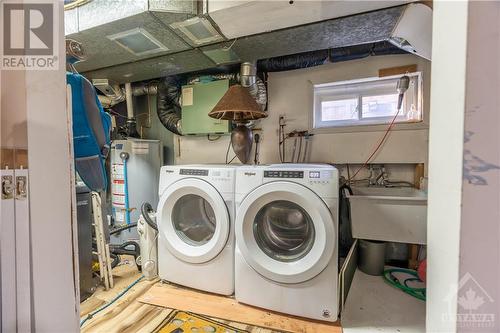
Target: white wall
[(34, 116), (55, 304), (290, 94), (445, 162), (480, 229), (13, 110)]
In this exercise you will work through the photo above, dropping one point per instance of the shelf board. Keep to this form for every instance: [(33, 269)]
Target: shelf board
[(374, 306)]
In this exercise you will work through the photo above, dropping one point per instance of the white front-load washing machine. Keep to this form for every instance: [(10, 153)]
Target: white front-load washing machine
[(195, 219), (286, 239)]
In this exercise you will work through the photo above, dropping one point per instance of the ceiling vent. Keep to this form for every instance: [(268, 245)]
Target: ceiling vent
[(119, 32), (197, 31), (138, 42)]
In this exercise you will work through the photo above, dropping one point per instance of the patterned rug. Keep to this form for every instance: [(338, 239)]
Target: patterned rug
[(184, 322)]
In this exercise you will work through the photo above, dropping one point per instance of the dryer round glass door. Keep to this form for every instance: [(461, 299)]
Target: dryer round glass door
[(194, 220), (285, 232)]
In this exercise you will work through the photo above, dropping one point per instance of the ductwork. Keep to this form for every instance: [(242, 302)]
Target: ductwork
[(232, 77), (294, 61), (149, 88), (247, 77), (108, 102), (407, 27), (168, 107), (113, 94), (250, 80), (321, 57), (169, 91), (117, 32), (237, 19)]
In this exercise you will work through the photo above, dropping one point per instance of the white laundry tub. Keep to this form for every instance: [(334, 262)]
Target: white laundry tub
[(393, 214)]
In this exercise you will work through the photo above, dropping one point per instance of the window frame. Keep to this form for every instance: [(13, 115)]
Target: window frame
[(357, 89)]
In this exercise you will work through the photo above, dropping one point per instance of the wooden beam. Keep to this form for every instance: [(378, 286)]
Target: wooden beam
[(397, 70), (170, 296)]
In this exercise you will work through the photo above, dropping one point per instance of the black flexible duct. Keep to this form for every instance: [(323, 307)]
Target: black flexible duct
[(120, 229), (168, 107), (294, 61), (145, 210), (362, 51), (316, 58)]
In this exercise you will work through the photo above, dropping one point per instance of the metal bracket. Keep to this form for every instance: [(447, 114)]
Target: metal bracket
[(7, 187), (21, 188)]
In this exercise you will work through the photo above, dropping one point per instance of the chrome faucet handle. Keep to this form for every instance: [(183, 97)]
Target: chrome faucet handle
[(372, 180)]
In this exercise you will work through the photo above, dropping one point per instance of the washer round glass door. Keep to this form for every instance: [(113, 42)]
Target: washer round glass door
[(285, 232), (194, 220)]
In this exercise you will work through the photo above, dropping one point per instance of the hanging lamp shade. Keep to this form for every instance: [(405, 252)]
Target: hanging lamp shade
[(238, 105)]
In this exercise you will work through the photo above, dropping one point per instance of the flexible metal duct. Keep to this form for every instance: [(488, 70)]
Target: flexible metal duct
[(259, 92), (250, 80), (168, 106), (362, 51), (294, 61), (247, 77), (113, 93), (169, 91), (321, 57)]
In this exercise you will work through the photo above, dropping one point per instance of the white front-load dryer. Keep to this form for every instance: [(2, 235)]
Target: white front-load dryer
[(195, 219), (286, 239)]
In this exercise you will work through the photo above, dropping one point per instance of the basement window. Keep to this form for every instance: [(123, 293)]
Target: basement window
[(371, 101)]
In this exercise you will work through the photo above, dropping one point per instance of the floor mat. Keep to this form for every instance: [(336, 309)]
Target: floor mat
[(184, 322)]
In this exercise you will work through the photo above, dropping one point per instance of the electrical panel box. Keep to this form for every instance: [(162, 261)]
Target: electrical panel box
[(197, 101)]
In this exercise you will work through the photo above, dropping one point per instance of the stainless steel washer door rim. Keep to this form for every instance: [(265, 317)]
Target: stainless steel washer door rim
[(310, 260), (177, 242)]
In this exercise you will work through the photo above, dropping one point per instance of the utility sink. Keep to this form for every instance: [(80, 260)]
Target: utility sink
[(393, 214)]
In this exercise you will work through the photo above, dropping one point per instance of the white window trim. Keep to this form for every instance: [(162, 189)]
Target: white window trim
[(368, 125)]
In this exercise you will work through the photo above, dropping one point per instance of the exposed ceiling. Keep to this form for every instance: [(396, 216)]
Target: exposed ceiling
[(245, 17), (177, 54)]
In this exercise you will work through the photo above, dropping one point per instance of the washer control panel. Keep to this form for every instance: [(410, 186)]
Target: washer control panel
[(283, 174), (320, 177), (194, 172)]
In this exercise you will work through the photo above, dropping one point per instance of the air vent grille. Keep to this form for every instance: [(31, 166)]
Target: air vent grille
[(197, 31), (138, 42)]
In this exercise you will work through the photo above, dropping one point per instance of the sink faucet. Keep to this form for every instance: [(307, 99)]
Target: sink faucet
[(382, 177), (378, 176)]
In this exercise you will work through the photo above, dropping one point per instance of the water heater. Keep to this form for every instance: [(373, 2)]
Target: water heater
[(135, 169)]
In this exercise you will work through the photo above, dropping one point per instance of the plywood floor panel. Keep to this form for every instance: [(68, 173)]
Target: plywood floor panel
[(171, 296), (146, 305)]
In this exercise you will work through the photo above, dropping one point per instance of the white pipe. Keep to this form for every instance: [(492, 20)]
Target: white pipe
[(130, 101)]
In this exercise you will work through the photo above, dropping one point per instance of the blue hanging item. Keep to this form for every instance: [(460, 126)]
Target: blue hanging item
[(91, 132)]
